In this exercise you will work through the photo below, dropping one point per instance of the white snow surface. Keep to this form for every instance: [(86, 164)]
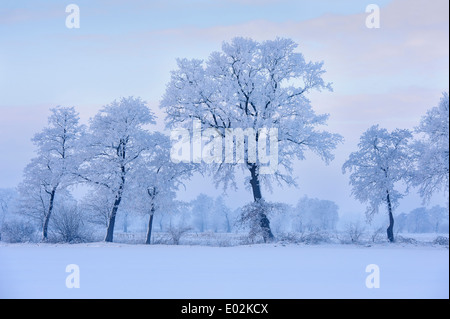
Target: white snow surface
[(257, 271)]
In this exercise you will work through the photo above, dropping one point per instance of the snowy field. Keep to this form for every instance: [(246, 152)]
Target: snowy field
[(253, 271)]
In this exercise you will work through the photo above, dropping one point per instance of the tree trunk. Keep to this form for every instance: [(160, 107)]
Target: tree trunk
[(150, 225), (264, 222), (112, 218), (48, 214), (390, 229), (254, 181)]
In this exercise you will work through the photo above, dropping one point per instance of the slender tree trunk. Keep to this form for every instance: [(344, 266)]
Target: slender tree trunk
[(112, 217), (150, 225), (390, 229), (152, 193), (48, 214), (256, 188)]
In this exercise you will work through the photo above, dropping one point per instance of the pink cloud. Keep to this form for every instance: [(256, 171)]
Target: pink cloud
[(24, 15), (413, 38)]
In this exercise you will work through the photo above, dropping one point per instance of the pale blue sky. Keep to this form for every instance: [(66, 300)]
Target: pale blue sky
[(40, 56), (388, 76)]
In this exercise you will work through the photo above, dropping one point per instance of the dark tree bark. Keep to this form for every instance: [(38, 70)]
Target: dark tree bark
[(254, 181), (390, 229), (112, 217), (48, 214), (152, 193), (150, 225), (256, 188)]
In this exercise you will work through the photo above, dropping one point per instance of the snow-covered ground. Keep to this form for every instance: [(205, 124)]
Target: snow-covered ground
[(257, 271)]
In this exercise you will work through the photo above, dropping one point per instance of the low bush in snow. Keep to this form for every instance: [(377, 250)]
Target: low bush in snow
[(441, 240), (161, 239), (378, 235), (290, 238), (17, 231), (406, 240), (353, 233), (68, 227), (316, 238), (311, 238), (176, 233)]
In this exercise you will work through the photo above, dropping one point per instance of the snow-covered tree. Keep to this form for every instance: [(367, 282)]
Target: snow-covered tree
[(201, 212), (97, 205), (432, 172), (223, 218), (254, 216), (418, 221), (402, 222), (8, 198), (283, 219), (423, 220), (210, 214), (439, 218), (52, 171), (316, 214), (158, 178), (115, 142), (381, 162), (68, 221), (258, 87)]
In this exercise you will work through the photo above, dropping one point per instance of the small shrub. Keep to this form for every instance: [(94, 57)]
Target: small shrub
[(290, 238), (17, 231), (224, 242), (316, 238), (67, 224), (176, 233), (441, 240), (377, 235), (406, 240), (354, 232), (161, 239)]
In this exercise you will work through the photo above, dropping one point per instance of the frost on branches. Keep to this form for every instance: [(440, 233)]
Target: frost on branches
[(157, 179), (254, 217), (112, 148), (253, 85), (432, 171), (383, 160), (52, 171)]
